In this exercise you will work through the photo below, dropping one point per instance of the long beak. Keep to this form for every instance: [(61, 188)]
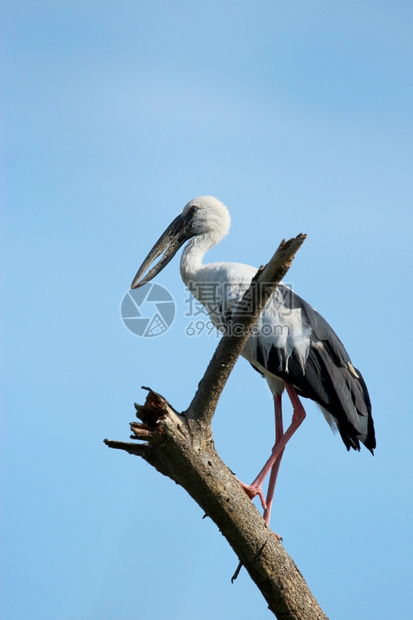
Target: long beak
[(169, 243)]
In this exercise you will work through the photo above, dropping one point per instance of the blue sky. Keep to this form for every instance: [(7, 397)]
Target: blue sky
[(298, 116)]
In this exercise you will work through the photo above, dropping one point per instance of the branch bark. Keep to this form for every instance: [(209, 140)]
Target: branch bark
[(203, 405), (181, 447)]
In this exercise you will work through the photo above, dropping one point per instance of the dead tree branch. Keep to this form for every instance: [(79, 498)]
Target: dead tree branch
[(203, 405), (181, 447)]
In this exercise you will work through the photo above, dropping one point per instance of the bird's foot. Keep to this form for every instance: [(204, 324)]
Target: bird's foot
[(252, 491)]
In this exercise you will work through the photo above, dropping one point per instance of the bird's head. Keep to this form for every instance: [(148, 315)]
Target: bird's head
[(202, 216)]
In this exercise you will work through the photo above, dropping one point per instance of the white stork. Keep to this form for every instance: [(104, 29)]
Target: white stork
[(291, 345)]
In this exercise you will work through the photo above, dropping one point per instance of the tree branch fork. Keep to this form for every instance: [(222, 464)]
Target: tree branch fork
[(181, 446)]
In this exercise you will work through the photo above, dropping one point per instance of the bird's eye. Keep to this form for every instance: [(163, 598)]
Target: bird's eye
[(193, 209)]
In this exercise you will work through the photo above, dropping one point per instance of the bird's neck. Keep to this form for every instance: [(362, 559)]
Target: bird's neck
[(193, 254)]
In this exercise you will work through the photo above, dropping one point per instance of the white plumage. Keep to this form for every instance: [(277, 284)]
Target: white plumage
[(291, 345)]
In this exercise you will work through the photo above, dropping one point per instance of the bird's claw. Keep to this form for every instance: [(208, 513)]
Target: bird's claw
[(252, 491)]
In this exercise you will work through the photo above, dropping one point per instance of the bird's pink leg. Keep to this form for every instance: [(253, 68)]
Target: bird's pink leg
[(298, 416), (279, 432)]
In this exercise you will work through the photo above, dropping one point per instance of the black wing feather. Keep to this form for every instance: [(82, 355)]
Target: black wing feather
[(328, 378)]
